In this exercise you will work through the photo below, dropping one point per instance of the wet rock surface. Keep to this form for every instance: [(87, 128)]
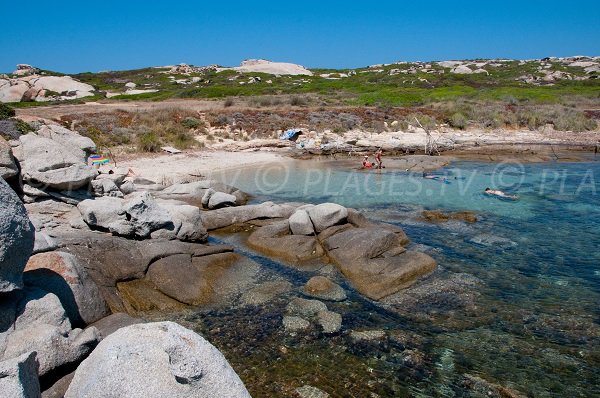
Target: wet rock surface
[(323, 288)]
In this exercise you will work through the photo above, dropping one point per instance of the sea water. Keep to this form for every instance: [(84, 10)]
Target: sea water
[(529, 321)]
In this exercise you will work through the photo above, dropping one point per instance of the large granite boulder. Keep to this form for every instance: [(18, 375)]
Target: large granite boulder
[(52, 164), (326, 215), (36, 321), (60, 273), (19, 377), (13, 91), (111, 260), (8, 167), (67, 138), (186, 224), (221, 199), (228, 216), (375, 262), (145, 215), (102, 212), (156, 360), (275, 240), (16, 239), (300, 223), (138, 217)]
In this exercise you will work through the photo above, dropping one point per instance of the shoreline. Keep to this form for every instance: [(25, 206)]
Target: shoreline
[(206, 163)]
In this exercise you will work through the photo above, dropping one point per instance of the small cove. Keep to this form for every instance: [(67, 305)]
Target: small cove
[(517, 303)]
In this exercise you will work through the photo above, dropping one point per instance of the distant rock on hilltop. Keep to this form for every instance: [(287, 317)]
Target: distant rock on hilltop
[(28, 85), (274, 68)]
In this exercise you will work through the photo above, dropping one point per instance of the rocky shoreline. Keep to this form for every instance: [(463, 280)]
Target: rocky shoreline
[(86, 248)]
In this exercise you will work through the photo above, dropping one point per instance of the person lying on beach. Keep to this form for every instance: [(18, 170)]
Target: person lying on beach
[(500, 194), (366, 163)]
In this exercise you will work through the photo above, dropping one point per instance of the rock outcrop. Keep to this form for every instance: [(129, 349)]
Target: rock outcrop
[(275, 240), (227, 216), (16, 239), (142, 216), (19, 377), (375, 262), (54, 164), (29, 86), (156, 360), (36, 321), (60, 273), (8, 167), (274, 68)]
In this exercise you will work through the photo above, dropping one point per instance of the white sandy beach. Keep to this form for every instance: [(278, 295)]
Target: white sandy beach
[(200, 164)]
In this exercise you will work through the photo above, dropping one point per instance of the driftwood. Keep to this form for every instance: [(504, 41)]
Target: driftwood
[(430, 143)]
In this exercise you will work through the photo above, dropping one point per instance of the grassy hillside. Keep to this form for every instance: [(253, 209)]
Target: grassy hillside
[(387, 85)]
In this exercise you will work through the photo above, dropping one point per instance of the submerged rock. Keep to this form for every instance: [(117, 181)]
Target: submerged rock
[(323, 288), (330, 322), (16, 239), (439, 216), (160, 359), (293, 324), (265, 292), (307, 391), (305, 308)]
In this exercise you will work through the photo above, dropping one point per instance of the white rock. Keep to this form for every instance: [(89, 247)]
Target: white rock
[(300, 223), (326, 215), (462, 70), (156, 360)]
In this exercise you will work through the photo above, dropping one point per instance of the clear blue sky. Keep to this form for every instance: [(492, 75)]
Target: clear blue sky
[(78, 36)]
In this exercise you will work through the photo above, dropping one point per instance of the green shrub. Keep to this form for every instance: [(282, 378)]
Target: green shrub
[(458, 120), (6, 111), (574, 121), (23, 127), (190, 122), (298, 101), (149, 142)]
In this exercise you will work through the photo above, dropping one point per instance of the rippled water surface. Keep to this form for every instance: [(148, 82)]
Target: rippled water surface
[(515, 302)]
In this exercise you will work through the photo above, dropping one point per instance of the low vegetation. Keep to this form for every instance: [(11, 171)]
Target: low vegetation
[(144, 131)]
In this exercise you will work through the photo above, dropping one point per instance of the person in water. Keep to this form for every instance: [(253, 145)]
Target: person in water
[(378, 158), (499, 193), (366, 164)]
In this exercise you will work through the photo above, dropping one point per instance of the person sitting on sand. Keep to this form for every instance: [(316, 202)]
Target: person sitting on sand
[(378, 158), (499, 193), (366, 164)]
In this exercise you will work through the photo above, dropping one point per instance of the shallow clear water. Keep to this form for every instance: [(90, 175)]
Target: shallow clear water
[(530, 322)]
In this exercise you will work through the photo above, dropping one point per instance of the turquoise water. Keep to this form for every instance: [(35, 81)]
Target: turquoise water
[(522, 310)]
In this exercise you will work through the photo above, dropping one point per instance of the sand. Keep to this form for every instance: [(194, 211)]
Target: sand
[(203, 164)]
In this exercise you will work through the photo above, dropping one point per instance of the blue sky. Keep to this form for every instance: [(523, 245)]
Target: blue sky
[(80, 36)]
